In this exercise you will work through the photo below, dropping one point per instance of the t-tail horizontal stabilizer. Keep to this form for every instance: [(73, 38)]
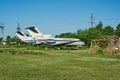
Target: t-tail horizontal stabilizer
[(36, 33), (21, 35), (24, 38)]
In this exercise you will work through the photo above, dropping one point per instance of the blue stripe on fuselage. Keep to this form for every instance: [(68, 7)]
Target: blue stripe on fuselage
[(29, 41)]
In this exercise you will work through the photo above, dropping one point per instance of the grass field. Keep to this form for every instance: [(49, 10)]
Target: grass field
[(57, 65)]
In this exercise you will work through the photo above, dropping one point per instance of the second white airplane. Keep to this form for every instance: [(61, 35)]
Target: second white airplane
[(38, 38)]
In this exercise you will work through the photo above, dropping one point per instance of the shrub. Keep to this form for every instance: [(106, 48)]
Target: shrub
[(99, 51), (1, 51), (13, 52)]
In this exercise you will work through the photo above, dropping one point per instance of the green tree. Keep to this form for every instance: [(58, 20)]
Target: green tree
[(117, 32), (82, 35), (67, 35), (108, 30), (13, 40), (88, 35), (100, 26), (93, 33), (8, 39), (17, 40), (79, 32), (1, 39)]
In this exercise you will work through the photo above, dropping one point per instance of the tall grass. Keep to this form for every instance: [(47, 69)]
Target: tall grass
[(58, 65)]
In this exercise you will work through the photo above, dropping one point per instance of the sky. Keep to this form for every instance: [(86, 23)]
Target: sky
[(57, 16)]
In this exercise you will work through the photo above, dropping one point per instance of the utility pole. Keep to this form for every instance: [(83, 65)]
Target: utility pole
[(18, 27), (92, 22), (2, 30)]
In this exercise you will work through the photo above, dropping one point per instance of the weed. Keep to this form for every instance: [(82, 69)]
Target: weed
[(1, 51), (99, 51), (13, 52)]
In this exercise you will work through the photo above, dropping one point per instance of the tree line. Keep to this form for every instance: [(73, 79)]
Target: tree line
[(97, 32)]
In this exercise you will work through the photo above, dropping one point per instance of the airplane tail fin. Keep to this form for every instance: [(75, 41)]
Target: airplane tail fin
[(25, 38), (21, 35), (36, 33)]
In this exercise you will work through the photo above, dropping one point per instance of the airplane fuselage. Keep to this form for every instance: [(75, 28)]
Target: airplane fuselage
[(38, 38)]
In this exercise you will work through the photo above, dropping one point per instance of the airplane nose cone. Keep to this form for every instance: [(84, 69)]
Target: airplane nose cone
[(82, 43)]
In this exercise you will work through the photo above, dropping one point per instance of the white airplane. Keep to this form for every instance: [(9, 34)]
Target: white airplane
[(25, 38), (38, 38)]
